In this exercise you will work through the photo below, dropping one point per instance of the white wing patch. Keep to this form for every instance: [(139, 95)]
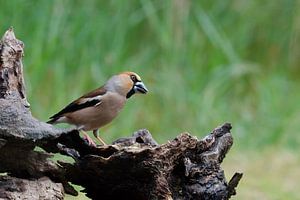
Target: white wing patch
[(84, 100), (98, 103)]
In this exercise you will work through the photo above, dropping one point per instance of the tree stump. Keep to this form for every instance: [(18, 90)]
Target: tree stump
[(131, 168)]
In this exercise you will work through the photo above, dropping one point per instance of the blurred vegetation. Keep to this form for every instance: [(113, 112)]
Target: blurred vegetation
[(204, 62)]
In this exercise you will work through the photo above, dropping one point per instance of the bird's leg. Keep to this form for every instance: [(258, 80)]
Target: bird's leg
[(88, 139), (96, 134)]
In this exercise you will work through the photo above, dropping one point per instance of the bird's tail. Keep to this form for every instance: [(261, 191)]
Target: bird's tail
[(52, 121), (57, 120)]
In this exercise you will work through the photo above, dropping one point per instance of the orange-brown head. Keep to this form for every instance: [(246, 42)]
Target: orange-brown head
[(127, 84)]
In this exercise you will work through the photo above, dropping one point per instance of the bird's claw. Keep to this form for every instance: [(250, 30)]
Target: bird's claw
[(89, 141)]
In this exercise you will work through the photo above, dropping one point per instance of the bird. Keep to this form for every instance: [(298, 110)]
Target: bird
[(99, 107)]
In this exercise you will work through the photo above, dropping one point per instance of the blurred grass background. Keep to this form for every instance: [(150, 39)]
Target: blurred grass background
[(204, 62)]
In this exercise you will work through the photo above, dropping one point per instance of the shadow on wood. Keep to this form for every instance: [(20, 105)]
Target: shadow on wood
[(132, 168)]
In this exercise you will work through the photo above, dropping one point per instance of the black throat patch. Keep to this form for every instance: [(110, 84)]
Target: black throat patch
[(130, 93)]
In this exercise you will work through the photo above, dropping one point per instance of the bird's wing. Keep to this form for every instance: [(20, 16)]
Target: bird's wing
[(90, 99)]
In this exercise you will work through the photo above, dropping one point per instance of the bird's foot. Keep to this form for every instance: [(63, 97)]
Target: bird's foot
[(89, 140)]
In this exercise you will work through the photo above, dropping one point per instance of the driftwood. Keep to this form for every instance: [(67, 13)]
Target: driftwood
[(131, 168)]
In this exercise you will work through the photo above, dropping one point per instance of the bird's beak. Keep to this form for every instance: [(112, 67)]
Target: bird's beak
[(139, 87)]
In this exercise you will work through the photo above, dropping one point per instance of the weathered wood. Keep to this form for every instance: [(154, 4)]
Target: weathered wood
[(11, 73), (38, 189), (19, 131), (233, 183), (184, 168), (135, 167), (16, 120)]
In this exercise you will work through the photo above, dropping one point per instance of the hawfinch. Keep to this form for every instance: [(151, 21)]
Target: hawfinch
[(100, 106)]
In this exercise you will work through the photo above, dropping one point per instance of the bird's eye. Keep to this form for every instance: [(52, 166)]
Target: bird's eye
[(133, 78)]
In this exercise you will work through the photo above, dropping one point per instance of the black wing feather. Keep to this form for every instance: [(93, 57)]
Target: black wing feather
[(72, 107), (76, 105)]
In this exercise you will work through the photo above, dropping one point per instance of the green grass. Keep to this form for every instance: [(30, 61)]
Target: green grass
[(204, 63), (267, 176)]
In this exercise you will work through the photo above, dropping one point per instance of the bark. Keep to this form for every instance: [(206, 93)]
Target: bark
[(42, 188), (134, 168)]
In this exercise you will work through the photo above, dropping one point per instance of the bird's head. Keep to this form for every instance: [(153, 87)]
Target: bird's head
[(127, 84)]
